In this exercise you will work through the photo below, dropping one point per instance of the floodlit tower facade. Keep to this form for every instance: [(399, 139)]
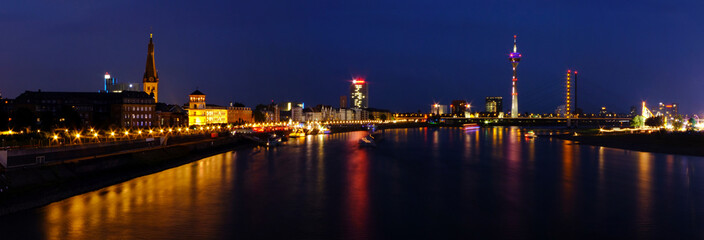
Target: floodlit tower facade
[(514, 57), (359, 93)]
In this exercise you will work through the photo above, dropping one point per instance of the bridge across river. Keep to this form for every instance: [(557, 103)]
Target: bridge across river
[(528, 121)]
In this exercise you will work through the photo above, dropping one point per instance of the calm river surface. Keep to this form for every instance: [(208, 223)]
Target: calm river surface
[(428, 183)]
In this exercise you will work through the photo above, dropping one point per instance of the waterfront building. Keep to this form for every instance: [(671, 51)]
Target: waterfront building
[(270, 116), (603, 111), (309, 115), (271, 112), (350, 114), (380, 114), (200, 113), (343, 101), (514, 58), (89, 109), (150, 81), (438, 109), (239, 115), (297, 114), (359, 93), (288, 106), (170, 115), (111, 85), (5, 113), (319, 113), (667, 110), (459, 108), (419, 117), (494, 105), (286, 111), (344, 114)]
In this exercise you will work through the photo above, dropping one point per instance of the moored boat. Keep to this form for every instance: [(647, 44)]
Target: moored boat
[(530, 134), (367, 141), (297, 133)]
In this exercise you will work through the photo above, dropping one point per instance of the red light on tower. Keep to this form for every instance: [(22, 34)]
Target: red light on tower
[(358, 81)]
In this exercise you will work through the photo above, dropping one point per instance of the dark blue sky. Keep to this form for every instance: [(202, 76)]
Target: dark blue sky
[(411, 52)]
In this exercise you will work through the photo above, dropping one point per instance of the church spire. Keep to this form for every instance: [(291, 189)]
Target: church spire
[(150, 74), (150, 81)]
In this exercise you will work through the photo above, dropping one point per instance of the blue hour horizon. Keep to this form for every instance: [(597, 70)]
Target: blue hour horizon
[(411, 55)]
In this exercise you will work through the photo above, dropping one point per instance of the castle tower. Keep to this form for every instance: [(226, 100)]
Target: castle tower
[(514, 57), (196, 100), (151, 76)]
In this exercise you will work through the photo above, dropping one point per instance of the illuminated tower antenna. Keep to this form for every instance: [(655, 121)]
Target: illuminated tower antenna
[(514, 57)]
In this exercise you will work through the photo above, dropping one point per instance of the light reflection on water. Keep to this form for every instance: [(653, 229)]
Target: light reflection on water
[(418, 183)]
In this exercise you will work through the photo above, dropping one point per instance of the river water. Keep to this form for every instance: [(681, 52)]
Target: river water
[(427, 183)]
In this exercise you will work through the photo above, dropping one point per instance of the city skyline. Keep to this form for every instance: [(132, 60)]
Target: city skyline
[(378, 119), (462, 63)]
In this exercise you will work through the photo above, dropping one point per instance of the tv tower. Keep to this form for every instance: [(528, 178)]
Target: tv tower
[(514, 57)]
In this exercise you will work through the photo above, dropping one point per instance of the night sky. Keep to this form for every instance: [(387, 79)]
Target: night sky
[(411, 52)]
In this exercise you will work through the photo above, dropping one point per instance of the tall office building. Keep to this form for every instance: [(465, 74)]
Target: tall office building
[(438, 109), (359, 93), (151, 76), (668, 110), (343, 101), (459, 107), (109, 81), (494, 104), (112, 86), (514, 57)]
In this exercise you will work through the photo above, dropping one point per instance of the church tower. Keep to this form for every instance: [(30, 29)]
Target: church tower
[(151, 76)]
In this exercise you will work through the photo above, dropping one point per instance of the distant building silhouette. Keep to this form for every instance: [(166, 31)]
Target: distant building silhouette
[(343, 101), (111, 85), (459, 107)]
